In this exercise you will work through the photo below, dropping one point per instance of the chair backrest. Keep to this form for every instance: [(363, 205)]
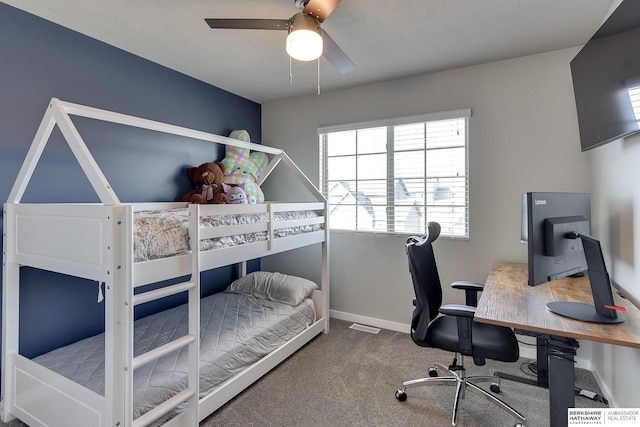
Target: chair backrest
[(426, 281)]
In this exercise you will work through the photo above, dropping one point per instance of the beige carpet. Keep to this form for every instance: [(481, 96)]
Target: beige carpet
[(349, 378)]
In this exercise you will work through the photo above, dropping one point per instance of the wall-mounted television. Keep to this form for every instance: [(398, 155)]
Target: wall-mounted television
[(551, 223), (606, 79)]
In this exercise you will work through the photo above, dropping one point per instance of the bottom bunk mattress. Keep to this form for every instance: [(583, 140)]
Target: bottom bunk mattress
[(236, 331)]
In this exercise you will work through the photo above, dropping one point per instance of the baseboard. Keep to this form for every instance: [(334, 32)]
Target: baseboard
[(370, 321), (526, 351), (604, 389)]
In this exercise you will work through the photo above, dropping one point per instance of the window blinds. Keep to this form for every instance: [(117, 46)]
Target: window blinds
[(396, 175)]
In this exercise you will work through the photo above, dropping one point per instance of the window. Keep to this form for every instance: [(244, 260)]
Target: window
[(634, 96), (394, 176)]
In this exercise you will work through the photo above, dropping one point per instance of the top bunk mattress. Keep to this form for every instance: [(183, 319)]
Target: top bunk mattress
[(164, 233), (235, 330)]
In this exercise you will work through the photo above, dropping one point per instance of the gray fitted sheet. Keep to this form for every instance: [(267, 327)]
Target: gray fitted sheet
[(164, 233), (236, 331)]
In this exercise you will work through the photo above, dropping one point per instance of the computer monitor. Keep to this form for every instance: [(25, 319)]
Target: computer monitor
[(604, 309), (547, 219)]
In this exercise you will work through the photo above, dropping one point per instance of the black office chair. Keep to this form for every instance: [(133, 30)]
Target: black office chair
[(454, 330)]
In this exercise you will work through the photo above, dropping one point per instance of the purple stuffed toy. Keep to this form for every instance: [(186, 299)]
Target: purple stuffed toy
[(237, 195)]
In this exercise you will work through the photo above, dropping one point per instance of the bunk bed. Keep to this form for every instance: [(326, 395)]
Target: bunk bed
[(105, 242)]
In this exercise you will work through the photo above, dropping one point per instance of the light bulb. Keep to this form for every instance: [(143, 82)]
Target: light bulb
[(304, 45)]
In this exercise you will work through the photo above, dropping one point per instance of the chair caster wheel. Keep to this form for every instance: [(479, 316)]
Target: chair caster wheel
[(433, 372), (401, 395), (495, 387)]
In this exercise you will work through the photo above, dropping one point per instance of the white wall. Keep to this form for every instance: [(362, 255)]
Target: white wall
[(523, 137), (615, 198), (616, 211)]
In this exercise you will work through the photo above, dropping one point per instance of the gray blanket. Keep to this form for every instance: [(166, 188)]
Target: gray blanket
[(236, 331)]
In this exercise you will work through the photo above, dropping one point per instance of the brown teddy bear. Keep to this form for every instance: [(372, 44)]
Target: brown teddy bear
[(208, 181)]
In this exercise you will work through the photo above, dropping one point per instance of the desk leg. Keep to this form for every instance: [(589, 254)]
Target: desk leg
[(542, 365), (542, 361), (562, 353)]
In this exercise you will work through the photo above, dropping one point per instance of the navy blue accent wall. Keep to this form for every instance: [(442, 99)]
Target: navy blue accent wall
[(41, 60)]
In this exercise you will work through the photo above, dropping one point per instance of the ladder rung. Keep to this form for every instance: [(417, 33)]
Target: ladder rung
[(154, 414), (157, 353), (162, 292)]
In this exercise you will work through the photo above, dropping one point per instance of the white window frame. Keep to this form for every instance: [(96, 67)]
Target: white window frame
[(460, 231), (633, 88)]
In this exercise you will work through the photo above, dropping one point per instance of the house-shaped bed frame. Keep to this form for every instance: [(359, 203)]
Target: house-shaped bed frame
[(95, 241)]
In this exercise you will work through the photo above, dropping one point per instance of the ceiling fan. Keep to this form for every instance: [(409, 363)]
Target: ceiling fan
[(306, 40)]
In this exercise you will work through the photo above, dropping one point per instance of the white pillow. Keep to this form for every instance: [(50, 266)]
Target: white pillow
[(279, 287)]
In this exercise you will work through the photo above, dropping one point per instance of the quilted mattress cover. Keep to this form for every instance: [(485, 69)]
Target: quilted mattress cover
[(235, 330), (164, 233)]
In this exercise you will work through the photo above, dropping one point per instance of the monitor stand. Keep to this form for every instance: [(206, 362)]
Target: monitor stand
[(580, 311)]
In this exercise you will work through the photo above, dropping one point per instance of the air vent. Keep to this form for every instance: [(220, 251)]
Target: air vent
[(364, 328)]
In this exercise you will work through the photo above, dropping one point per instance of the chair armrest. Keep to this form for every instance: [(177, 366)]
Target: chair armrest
[(464, 319), (472, 286), (457, 310), (471, 290)]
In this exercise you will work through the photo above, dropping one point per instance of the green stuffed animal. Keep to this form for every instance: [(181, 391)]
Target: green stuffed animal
[(244, 167)]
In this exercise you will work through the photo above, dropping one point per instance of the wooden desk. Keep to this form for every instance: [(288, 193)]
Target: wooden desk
[(507, 300)]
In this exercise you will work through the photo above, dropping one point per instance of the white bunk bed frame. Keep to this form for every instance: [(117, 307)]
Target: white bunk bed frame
[(95, 241)]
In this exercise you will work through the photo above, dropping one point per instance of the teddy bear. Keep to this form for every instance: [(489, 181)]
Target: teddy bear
[(244, 167), (208, 181)]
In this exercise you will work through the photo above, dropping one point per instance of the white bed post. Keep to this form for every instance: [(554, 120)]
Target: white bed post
[(118, 319), (242, 268), (10, 314), (194, 315), (125, 275), (326, 271)]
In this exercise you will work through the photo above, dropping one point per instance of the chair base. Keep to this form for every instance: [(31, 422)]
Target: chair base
[(462, 382)]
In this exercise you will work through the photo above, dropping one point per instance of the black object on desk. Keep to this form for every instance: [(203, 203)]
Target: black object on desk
[(604, 308)]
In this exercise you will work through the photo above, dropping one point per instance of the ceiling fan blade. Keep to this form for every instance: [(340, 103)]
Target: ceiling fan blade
[(320, 9), (249, 24), (335, 55)]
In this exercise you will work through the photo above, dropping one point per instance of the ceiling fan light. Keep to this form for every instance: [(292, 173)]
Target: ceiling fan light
[(304, 41), (304, 45)]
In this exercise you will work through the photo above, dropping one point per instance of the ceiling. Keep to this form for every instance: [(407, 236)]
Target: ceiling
[(385, 39)]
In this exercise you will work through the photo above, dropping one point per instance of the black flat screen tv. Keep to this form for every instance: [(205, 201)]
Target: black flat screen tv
[(606, 79), (551, 223)]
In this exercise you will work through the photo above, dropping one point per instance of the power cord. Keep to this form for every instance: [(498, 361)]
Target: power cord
[(591, 395), (529, 368)]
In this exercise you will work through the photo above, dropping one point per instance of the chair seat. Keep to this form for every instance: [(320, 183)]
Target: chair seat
[(489, 341)]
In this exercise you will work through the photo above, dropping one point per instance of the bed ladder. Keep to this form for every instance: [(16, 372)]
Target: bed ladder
[(189, 395)]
